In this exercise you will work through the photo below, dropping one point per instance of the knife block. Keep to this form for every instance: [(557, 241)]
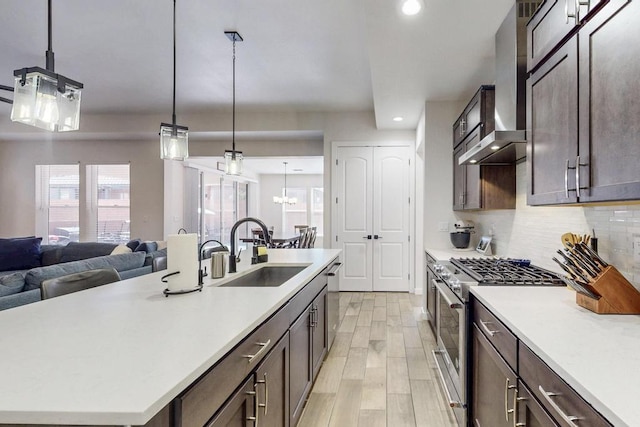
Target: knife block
[(617, 295)]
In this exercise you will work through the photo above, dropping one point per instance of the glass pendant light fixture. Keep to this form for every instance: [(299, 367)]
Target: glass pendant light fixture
[(174, 139), (233, 158), (45, 99), (282, 200)]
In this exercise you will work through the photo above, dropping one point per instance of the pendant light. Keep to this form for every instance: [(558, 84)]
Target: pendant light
[(174, 139), (233, 158), (282, 200), (45, 99)]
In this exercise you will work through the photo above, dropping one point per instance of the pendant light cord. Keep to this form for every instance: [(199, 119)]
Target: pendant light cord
[(173, 115), (49, 54), (233, 113)]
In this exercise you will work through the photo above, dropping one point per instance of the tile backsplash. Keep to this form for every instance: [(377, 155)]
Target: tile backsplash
[(534, 232)]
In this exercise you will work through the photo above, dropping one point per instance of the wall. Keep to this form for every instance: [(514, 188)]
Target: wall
[(534, 232), (17, 179), (438, 170)]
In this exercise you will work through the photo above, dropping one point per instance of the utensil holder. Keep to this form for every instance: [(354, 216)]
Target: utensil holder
[(617, 295)]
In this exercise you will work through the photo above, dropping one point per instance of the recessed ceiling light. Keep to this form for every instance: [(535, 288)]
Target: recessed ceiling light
[(411, 7), (473, 161), (495, 147), (398, 119)]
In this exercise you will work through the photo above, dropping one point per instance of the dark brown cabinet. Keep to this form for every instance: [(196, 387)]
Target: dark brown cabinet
[(479, 186), (239, 410), (494, 385), (272, 386), (308, 342), (512, 386), (478, 112), (552, 146), (584, 137)]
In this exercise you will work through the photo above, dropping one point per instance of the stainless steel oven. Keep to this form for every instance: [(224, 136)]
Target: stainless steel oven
[(451, 337), (430, 292)]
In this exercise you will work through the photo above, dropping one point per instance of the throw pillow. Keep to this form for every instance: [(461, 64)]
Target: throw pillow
[(133, 244), (147, 247), (20, 253), (76, 251), (121, 249), (11, 284)]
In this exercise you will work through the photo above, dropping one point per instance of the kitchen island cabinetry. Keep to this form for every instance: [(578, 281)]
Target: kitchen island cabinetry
[(533, 392), (232, 368), (309, 345), (582, 109)]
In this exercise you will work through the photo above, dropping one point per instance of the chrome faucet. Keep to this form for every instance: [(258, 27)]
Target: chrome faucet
[(232, 255)]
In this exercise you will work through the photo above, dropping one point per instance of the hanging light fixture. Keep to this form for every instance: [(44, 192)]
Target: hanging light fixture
[(284, 199), (233, 158), (174, 139), (45, 99)]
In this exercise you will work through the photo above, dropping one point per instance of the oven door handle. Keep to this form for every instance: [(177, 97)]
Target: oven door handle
[(445, 291)]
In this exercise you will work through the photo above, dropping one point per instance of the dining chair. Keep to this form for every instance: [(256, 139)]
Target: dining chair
[(75, 282), (258, 236)]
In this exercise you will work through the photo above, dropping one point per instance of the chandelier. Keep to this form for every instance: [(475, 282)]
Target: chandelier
[(283, 199)]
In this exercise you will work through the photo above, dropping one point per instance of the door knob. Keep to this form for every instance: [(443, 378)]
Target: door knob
[(368, 237)]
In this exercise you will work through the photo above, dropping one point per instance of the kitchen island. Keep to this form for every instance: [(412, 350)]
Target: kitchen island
[(596, 355), (119, 353)]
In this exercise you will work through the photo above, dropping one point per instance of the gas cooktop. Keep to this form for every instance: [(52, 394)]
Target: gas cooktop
[(507, 272)]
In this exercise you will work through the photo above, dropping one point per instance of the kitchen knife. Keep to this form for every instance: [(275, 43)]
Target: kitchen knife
[(580, 288), (572, 267), (584, 261), (586, 256), (573, 273), (595, 256)]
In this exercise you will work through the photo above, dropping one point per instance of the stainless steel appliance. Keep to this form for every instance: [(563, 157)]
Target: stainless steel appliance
[(452, 281)]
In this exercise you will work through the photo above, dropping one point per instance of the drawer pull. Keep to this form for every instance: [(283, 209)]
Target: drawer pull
[(508, 411), (264, 405), (486, 328), (548, 397), (263, 345), (334, 269)]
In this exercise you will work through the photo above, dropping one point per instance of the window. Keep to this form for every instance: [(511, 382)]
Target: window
[(225, 201), (109, 202), (307, 211), (105, 213), (57, 203)]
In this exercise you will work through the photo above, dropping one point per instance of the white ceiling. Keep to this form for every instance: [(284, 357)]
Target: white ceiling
[(302, 55)]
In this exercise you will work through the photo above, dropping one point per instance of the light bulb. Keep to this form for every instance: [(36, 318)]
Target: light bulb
[(411, 7)]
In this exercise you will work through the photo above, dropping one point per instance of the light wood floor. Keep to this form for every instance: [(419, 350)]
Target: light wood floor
[(380, 370)]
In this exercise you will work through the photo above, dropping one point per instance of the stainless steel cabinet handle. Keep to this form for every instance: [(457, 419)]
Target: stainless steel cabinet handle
[(507, 411), (574, 15), (476, 422), (486, 328), (334, 269), (566, 177), (266, 393), (452, 403), (548, 397), (254, 418), (578, 165), (263, 345)]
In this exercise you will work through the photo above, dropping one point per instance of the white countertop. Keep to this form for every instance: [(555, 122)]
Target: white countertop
[(597, 355), (118, 353), (447, 253)]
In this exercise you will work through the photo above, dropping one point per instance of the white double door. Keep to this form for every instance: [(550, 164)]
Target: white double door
[(372, 214)]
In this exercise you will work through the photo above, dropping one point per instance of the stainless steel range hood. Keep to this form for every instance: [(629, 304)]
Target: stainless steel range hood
[(507, 144)]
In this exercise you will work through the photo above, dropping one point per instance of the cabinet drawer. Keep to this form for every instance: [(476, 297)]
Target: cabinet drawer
[(497, 333), (557, 397), (206, 395)]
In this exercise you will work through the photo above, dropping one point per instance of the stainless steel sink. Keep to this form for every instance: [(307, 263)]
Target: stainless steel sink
[(269, 276)]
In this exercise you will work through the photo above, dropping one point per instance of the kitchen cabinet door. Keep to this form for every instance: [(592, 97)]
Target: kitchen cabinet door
[(459, 173), (552, 142), (609, 147), (240, 409), (493, 385), (552, 23), (300, 373), (272, 386), (479, 112), (466, 179), (319, 331)]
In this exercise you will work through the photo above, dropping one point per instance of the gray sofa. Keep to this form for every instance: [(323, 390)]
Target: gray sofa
[(23, 286)]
